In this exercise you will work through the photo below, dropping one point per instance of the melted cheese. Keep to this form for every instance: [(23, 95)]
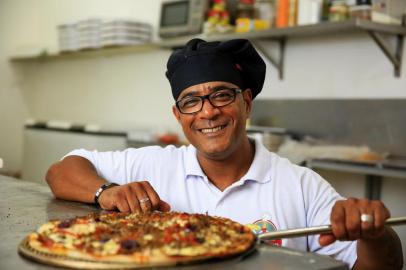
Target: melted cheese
[(82, 229), (148, 237), (110, 247), (214, 240), (46, 227)]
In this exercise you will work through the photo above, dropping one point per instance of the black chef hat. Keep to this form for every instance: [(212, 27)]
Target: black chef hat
[(235, 61)]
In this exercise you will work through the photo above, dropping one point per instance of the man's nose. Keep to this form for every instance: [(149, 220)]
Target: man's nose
[(208, 109)]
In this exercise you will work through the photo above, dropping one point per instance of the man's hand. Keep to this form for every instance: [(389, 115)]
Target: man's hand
[(347, 224), (133, 197), (378, 246)]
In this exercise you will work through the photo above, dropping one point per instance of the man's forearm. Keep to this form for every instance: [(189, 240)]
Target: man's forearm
[(74, 178), (381, 253)]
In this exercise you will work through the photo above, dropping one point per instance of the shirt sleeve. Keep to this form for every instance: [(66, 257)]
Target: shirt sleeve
[(120, 167), (320, 197)]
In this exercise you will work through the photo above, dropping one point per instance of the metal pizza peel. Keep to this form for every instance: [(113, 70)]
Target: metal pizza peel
[(292, 233)]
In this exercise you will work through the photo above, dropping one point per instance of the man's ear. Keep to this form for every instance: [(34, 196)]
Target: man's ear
[(247, 96), (176, 113)]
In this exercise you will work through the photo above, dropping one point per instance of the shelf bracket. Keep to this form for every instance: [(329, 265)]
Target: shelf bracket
[(396, 56), (373, 186), (279, 63)]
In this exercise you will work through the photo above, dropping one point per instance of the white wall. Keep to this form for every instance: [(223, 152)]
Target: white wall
[(13, 109), (334, 66), (118, 90)]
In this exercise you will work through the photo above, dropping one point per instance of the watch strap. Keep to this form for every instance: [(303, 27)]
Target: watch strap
[(101, 189)]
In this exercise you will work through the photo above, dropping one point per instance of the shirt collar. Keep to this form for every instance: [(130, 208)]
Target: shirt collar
[(192, 165), (259, 170)]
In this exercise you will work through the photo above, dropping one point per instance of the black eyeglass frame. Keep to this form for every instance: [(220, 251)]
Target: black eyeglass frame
[(235, 90)]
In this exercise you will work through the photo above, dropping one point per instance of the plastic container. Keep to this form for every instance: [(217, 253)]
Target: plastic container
[(265, 11), (360, 12)]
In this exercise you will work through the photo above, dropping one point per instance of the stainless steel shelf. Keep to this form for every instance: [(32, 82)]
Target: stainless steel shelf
[(90, 53), (374, 172), (296, 31), (357, 167), (280, 35)]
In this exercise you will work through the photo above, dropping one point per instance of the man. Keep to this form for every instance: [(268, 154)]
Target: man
[(225, 173)]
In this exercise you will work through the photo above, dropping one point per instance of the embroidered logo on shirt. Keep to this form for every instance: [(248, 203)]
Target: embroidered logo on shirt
[(262, 226)]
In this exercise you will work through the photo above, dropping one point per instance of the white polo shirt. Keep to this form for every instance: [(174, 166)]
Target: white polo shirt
[(273, 195)]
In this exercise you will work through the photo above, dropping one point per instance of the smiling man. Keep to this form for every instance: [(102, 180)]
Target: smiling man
[(225, 173)]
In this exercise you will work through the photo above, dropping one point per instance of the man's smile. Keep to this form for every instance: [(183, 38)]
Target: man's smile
[(212, 130)]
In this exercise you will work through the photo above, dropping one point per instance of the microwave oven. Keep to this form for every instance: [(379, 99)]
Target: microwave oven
[(182, 17)]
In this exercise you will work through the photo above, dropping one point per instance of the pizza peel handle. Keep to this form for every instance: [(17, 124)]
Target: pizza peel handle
[(317, 230)]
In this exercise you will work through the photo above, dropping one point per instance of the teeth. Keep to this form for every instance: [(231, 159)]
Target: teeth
[(209, 130)]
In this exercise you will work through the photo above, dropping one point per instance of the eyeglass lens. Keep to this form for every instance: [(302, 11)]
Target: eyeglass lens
[(219, 98)]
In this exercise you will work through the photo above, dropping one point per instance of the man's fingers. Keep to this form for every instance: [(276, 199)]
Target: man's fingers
[(352, 221), (163, 206), (134, 197), (367, 227), (144, 200), (151, 193), (122, 205), (132, 200), (326, 239), (338, 221), (381, 214)]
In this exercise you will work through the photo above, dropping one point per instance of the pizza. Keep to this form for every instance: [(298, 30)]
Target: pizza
[(142, 238)]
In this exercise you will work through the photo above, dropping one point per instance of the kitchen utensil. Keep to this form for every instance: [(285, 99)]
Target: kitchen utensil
[(316, 230)]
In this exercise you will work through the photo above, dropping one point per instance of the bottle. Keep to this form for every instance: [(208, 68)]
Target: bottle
[(245, 9), (282, 13), (325, 7), (244, 21), (265, 11)]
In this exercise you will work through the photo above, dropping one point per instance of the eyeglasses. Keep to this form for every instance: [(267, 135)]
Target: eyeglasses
[(219, 98)]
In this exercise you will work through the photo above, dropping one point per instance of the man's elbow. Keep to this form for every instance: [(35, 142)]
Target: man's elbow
[(52, 178)]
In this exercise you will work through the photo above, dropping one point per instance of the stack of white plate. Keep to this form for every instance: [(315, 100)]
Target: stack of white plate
[(68, 37), (96, 33), (119, 32), (89, 33)]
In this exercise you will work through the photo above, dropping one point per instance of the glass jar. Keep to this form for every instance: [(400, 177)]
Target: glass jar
[(245, 9), (338, 11)]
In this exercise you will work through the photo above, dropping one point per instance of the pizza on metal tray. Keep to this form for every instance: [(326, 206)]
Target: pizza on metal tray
[(142, 238)]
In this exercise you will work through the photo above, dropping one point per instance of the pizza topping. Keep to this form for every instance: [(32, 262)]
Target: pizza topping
[(82, 229), (65, 224), (190, 227), (46, 227), (129, 246), (46, 241), (110, 247)]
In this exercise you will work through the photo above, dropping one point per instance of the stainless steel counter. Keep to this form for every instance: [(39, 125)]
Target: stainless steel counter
[(26, 205)]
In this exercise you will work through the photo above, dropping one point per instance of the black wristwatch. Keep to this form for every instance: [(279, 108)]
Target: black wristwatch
[(101, 189)]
